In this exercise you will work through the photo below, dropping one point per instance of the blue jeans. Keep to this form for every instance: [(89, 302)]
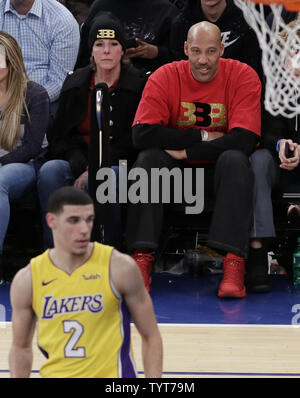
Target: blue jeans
[(16, 180), (57, 173), (52, 175), (269, 175), (265, 175)]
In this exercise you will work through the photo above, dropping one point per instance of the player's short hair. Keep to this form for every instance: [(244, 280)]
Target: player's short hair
[(67, 195)]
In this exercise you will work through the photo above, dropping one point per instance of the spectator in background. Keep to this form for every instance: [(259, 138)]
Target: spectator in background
[(48, 35), (239, 39), (79, 9), (24, 108), (272, 168), (146, 24), (71, 129), (203, 112)]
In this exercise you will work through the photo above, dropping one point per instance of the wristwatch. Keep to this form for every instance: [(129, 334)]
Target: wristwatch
[(205, 135)]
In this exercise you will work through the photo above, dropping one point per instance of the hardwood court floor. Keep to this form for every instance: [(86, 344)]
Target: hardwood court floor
[(203, 336), (208, 351)]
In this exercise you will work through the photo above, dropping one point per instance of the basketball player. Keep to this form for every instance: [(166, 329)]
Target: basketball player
[(82, 295)]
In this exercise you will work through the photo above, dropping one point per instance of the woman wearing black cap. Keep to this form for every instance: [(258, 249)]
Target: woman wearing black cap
[(71, 129)]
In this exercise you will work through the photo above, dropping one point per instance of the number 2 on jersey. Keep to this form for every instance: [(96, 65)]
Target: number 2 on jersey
[(77, 330)]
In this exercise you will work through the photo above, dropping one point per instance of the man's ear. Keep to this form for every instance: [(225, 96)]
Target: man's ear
[(222, 49), (185, 47), (51, 220)]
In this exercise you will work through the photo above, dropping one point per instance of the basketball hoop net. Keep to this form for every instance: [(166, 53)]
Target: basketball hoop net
[(280, 44)]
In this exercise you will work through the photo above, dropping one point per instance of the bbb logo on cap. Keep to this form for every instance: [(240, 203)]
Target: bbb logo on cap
[(106, 34)]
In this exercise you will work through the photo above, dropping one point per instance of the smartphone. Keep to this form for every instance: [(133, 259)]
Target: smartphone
[(287, 152), (130, 43)]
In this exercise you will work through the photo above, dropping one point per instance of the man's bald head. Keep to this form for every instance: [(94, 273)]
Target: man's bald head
[(204, 28)]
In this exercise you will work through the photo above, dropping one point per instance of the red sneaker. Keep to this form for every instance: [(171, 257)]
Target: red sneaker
[(232, 284), (144, 262)]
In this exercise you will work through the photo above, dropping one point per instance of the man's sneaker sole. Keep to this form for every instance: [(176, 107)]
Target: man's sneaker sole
[(223, 292)]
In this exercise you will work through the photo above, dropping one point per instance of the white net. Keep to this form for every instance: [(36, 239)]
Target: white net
[(280, 44)]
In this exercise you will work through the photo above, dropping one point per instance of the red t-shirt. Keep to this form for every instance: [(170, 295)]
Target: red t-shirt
[(173, 98)]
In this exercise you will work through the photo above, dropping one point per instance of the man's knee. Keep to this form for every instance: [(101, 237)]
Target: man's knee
[(151, 158), (261, 161), (233, 166), (233, 158), (54, 168)]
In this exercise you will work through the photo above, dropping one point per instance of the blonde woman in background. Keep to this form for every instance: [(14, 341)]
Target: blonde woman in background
[(24, 110)]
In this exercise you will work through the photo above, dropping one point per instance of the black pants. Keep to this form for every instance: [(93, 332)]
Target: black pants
[(230, 181)]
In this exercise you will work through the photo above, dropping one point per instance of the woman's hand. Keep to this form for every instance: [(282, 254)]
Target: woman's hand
[(81, 180), (292, 162)]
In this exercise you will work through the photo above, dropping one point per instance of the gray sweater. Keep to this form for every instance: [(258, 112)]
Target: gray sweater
[(33, 129)]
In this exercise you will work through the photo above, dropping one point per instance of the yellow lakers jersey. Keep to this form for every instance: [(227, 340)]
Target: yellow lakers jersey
[(83, 324)]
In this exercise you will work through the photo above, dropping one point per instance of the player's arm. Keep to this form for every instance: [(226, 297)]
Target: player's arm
[(128, 281), (23, 324)]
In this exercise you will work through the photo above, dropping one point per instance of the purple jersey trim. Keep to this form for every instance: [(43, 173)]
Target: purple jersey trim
[(127, 368)]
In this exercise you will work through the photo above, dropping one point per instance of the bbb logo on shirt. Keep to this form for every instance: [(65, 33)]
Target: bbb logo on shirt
[(202, 114)]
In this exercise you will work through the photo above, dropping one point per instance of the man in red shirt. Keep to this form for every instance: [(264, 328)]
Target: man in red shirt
[(203, 112)]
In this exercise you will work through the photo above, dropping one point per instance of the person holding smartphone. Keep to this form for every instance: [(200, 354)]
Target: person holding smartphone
[(146, 24), (275, 164)]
